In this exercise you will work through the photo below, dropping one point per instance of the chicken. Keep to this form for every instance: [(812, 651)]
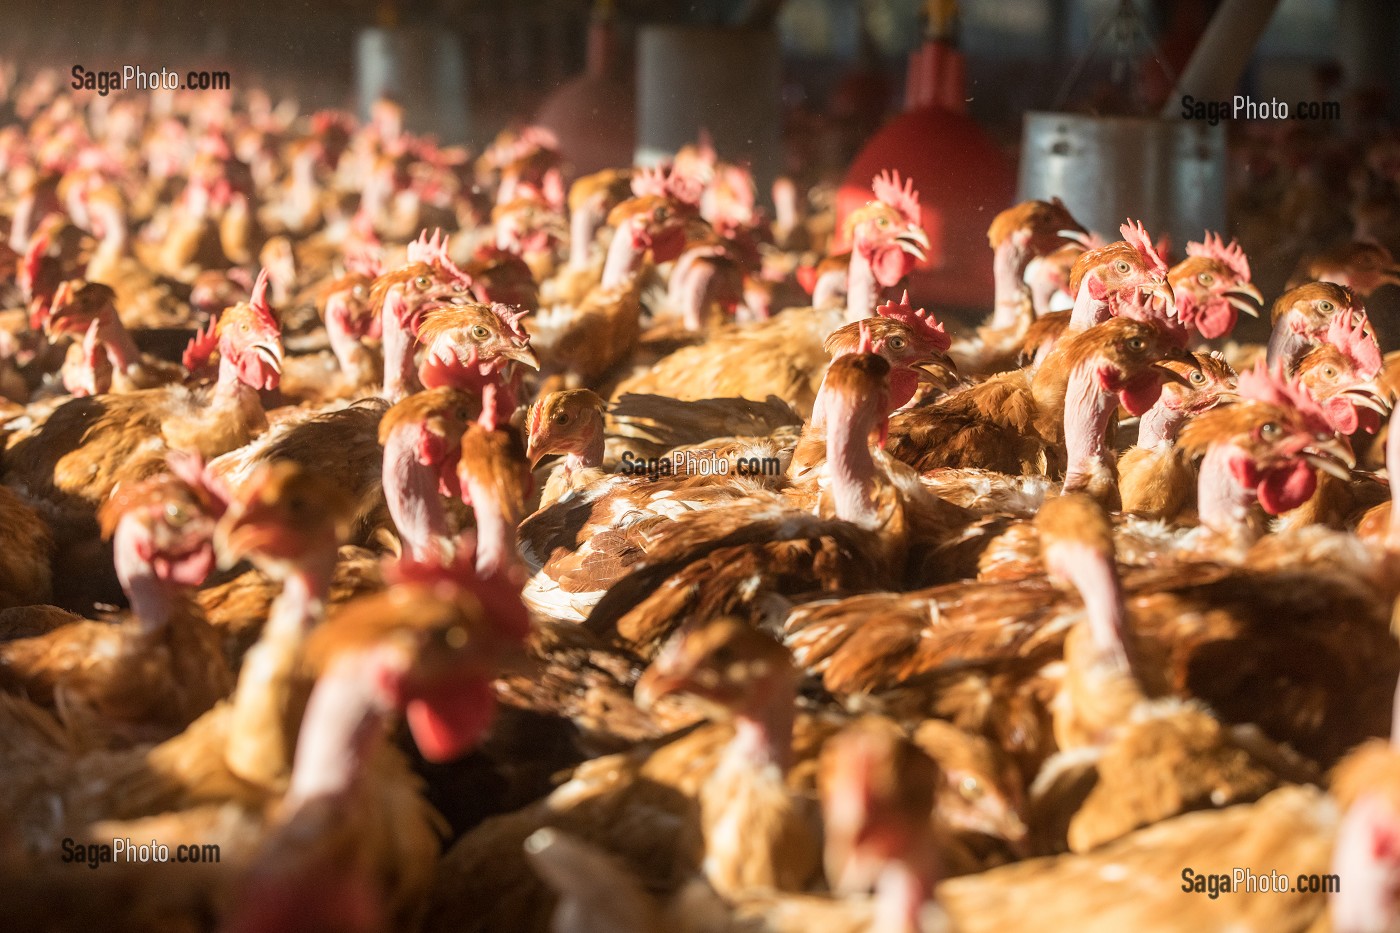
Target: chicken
[(422, 438), (1210, 287), (85, 447), (141, 298), (426, 649), (583, 343), (749, 557), (403, 296), (147, 676), (1018, 236), (1155, 478), (26, 572), (289, 521), (81, 307), (784, 356), (570, 423), (494, 479), (1361, 265), (1300, 319), (1053, 419)]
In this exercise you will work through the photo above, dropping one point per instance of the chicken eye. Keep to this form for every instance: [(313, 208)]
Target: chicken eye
[(1329, 372), (1325, 306), (244, 327), (1136, 343), (458, 287), (970, 788), (1197, 377), (1270, 430), (175, 514), (896, 343), (479, 332), (560, 417), (882, 221), (1122, 266), (358, 291), (1206, 279), (422, 281)]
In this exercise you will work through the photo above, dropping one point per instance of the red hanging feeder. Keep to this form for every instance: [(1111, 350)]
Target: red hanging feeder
[(963, 177)]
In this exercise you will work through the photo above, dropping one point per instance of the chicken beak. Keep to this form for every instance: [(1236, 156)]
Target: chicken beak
[(1160, 296), (654, 684), (239, 534), (1332, 456), (522, 354), (536, 449), (915, 242), (1368, 395), (271, 353), (1236, 298)]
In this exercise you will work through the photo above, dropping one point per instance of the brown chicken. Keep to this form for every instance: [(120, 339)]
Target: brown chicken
[(422, 440), (1301, 317), (86, 446), (1155, 477), (568, 423), (1049, 421), (149, 675), (784, 356), (1017, 236)]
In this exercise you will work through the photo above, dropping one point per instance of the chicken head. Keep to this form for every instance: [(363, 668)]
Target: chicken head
[(568, 422), (1211, 286)]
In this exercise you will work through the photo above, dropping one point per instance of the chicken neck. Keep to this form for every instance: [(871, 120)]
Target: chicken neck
[(1159, 425), (1090, 305), (1089, 408), (152, 599), (862, 290), (259, 744), (1224, 504), (583, 228), (690, 288), (850, 465), (399, 324), (345, 718), (901, 891), (1011, 298), (110, 250), (496, 525), (625, 257), (413, 492), (1094, 576), (1288, 343)]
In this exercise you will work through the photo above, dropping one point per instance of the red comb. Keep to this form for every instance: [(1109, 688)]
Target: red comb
[(1231, 256), (1136, 235), (1263, 385), (364, 259), (38, 246), (202, 345), (511, 316), (866, 344), (649, 181), (499, 595), (901, 197), (258, 301), (1357, 342), (433, 251), (920, 322)]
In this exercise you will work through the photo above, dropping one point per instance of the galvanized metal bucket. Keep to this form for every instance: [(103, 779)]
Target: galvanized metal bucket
[(1169, 174)]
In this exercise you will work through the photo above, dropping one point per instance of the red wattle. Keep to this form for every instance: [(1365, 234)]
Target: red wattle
[(1140, 393), (449, 719), (1287, 488), (890, 265), (1216, 319)]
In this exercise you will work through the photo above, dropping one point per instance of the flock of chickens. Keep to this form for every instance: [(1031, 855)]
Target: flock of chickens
[(984, 631)]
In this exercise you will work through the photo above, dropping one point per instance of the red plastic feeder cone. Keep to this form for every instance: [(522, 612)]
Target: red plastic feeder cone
[(963, 178)]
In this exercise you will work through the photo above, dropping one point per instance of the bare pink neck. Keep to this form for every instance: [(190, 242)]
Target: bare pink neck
[(763, 730), (495, 533), (590, 456), (150, 597), (851, 467), (1010, 292), (1088, 310), (1095, 577), (583, 226), (303, 598), (412, 490), (345, 719), (862, 291), (1088, 410), (1159, 425), (901, 892), (400, 375), (1225, 506), (624, 259)]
